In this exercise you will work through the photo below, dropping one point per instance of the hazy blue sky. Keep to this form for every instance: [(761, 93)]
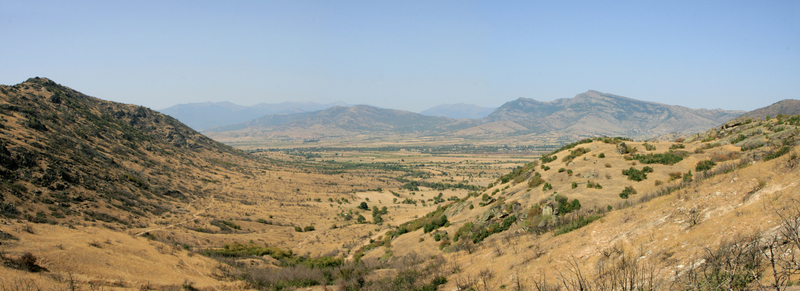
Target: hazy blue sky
[(407, 54)]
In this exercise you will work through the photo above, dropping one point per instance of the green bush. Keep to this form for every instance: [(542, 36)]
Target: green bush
[(774, 155), (627, 192), (574, 154), (536, 180), (564, 208), (668, 158), (576, 224), (704, 165), (435, 223), (250, 249), (637, 175), (548, 158)]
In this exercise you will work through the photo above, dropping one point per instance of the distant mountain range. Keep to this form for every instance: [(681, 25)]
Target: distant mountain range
[(459, 110), (596, 113), (205, 115), (227, 116), (588, 114)]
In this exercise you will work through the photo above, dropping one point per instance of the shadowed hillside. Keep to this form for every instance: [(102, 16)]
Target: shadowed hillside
[(65, 154)]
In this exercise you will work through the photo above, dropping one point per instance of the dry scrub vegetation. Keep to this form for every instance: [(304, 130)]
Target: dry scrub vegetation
[(714, 211)]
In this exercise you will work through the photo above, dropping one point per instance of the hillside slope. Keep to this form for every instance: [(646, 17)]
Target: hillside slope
[(784, 107), (711, 213), (65, 149)]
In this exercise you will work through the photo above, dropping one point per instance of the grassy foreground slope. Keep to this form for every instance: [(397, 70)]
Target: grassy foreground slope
[(715, 217)]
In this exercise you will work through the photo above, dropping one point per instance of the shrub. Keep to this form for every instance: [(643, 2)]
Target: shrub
[(704, 165), (675, 175), (574, 185), (536, 180), (677, 146), (738, 139), (576, 224), (435, 223), (574, 154), (637, 175), (774, 155), (687, 177), (548, 158), (250, 249), (668, 158), (363, 205), (627, 192), (601, 155), (547, 186), (8, 210), (649, 147), (594, 185), (27, 262), (564, 208), (298, 229), (309, 228)]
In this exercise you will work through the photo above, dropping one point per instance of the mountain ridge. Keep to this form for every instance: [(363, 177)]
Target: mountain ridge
[(587, 114), (458, 111), (783, 107), (206, 115)]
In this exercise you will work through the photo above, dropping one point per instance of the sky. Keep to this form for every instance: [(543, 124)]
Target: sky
[(409, 55)]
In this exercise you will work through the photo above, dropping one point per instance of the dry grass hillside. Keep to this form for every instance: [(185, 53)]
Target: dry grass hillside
[(131, 181), (104, 196)]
